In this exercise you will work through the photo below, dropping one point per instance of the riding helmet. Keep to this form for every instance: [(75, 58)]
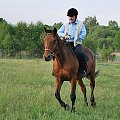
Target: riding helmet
[(72, 12)]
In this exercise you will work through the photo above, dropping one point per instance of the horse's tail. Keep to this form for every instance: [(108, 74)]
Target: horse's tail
[(97, 73)]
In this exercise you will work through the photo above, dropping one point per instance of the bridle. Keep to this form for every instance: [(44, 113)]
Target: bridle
[(53, 51)]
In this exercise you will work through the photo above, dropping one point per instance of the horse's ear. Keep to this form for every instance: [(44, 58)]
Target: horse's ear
[(45, 29), (55, 31)]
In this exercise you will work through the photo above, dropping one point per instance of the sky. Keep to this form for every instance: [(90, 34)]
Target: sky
[(54, 11)]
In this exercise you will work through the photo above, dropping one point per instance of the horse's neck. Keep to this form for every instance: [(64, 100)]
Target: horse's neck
[(62, 56)]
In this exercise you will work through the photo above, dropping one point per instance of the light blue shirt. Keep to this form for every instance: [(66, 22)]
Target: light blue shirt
[(72, 30)]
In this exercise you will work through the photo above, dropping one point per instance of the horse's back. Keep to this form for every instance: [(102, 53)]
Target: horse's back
[(89, 53)]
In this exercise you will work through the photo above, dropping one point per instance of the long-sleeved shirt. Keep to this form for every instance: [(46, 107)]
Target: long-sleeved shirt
[(72, 31)]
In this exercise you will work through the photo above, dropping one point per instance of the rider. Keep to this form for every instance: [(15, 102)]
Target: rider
[(74, 32)]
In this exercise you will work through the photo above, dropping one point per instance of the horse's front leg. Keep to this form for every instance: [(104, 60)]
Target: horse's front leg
[(73, 94), (58, 84)]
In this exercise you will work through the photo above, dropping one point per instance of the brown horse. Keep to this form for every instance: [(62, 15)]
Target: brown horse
[(66, 67)]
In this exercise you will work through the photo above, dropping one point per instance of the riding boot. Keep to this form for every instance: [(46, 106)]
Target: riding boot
[(83, 59)]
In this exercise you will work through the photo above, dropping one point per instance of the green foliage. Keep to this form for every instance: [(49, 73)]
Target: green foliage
[(103, 39), (21, 37), (90, 22), (105, 52), (28, 38), (117, 40), (57, 25), (113, 24)]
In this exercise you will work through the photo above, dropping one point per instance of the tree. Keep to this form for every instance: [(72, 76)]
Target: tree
[(113, 24), (3, 32), (117, 41), (21, 34), (23, 37), (106, 52), (58, 25), (90, 22), (2, 20)]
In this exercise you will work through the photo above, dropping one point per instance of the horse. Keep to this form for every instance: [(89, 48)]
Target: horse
[(66, 67)]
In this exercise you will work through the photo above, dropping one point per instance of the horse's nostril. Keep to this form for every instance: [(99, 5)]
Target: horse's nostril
[(47, 58)]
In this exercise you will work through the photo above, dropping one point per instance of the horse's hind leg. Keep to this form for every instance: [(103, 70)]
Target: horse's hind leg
[(83, 88), (58, 84), (92, 85)]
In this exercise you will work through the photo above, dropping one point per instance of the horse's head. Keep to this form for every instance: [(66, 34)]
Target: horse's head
[(50, 43)]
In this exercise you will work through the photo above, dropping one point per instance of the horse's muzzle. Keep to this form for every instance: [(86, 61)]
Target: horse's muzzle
[(47, 58)]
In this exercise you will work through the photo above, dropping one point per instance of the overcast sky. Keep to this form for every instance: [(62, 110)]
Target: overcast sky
[(54, 11)]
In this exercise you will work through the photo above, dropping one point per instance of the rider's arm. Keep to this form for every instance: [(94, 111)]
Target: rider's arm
[(82, 33), (61, 31)]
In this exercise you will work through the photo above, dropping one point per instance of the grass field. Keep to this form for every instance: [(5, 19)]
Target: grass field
[(27, 93)]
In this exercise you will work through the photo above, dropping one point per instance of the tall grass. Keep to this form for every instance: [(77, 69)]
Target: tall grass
[(27, 93)]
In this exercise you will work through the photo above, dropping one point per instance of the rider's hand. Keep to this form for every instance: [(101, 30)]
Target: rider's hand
[(67, 37)]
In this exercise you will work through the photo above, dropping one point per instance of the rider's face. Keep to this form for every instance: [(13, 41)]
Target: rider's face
[(72, 19)]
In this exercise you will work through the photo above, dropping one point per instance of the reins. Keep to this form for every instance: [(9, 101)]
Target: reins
[(53, 51)]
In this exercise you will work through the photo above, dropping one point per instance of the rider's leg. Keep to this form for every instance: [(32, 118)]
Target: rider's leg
[(83, 58)]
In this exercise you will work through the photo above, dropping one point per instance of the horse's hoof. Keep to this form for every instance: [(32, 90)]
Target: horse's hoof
[(67, 107), (93, 104), (73, 110), (85, 104)]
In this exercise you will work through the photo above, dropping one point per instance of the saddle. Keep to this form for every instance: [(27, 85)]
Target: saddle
[(72, 48), (83, 69)]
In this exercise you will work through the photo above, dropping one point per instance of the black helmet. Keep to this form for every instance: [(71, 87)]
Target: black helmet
[(72, 12)]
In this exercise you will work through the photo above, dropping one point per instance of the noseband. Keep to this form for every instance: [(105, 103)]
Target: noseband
[(51, 51)]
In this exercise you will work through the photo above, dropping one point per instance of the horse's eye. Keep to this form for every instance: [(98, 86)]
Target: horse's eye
[(54, 41)]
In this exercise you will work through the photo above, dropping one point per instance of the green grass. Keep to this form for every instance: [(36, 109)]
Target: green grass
[(27, 93)]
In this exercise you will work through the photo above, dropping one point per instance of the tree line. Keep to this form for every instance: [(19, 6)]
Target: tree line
[(24, 39)]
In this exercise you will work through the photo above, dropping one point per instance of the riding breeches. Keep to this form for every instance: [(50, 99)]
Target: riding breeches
[(80, 52)]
